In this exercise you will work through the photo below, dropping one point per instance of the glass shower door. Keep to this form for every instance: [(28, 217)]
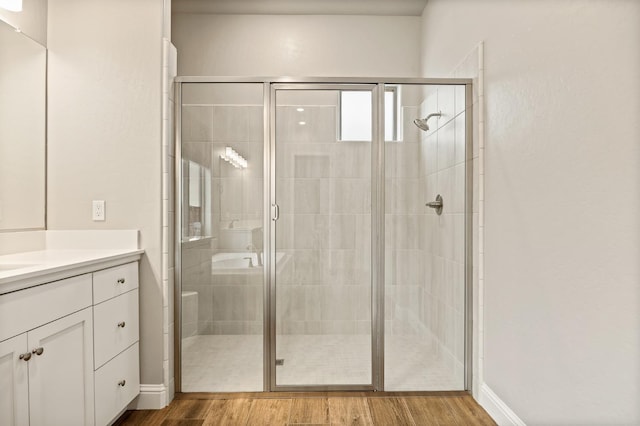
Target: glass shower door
[(322, 258), (426, 164), (221, 237)]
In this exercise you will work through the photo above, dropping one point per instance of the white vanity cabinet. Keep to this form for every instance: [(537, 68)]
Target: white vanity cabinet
[(46, 366), (67, 358)]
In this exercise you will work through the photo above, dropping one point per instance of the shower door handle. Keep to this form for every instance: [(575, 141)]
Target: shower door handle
[(276, 212)]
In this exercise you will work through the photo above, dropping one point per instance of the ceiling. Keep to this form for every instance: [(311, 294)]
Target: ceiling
[(302, 7)]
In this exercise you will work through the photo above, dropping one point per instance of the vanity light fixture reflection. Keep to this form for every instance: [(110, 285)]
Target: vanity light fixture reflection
[(12, 5), (233, 158)]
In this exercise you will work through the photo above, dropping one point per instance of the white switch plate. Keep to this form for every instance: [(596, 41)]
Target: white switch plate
[(98, 210)]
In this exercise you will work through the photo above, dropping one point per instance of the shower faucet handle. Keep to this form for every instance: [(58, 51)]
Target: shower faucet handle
[(437, 204)]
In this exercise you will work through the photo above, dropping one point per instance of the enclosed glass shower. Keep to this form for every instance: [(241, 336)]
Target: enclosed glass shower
[(324, 235)]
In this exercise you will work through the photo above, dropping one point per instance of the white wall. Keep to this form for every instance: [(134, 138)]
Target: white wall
[(562, 191), (296, 45), (104, 135)]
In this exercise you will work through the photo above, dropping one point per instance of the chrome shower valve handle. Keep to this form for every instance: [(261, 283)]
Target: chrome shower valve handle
[(437, 204)]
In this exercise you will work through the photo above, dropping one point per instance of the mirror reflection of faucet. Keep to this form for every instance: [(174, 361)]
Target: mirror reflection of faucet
[(231, 223), (254, 249)]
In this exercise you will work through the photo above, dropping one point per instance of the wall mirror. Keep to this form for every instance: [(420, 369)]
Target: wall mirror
[(197, 200), (23, 66)]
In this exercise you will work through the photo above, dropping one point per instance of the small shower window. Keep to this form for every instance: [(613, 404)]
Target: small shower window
[(391, 113), (355, 115)]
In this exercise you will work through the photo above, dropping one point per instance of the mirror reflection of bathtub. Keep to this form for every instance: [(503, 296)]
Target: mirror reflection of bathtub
[(242, 263)]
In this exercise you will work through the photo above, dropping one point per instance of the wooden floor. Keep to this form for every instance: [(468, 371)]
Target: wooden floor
[(327, 408)]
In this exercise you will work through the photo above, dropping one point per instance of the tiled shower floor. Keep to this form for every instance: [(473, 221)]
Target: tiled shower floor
[(233, 363)]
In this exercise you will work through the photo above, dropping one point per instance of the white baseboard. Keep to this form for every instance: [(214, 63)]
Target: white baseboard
[(152, 397), (501, 413)]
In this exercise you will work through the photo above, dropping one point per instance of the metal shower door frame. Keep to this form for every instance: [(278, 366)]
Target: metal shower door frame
[(376, 331), (377, 219)]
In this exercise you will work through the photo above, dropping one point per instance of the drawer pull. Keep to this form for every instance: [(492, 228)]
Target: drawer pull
[(122, 382), (121, 324), (38, 351), (121, 280), (25, 356)]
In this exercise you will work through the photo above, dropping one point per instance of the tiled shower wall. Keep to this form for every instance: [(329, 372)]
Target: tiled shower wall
[(324, 193), (442, 171), (404, 259)]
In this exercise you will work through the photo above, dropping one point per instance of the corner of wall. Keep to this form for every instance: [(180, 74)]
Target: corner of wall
[(472, 66), (166, 21), (169, 72), (497, 409), (17, 242), (152, 397)]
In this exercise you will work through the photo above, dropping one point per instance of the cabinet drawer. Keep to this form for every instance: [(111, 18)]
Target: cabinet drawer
[(115, 326), (112, 282), (25, 310), (117, 383)]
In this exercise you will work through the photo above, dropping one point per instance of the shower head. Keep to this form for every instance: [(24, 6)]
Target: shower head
[(422, 122)]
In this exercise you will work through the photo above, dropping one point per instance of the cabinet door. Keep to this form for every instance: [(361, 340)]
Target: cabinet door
[(14, 384), (61, 376)]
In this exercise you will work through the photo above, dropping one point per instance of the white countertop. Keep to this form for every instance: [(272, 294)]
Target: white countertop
[(28, 269)]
